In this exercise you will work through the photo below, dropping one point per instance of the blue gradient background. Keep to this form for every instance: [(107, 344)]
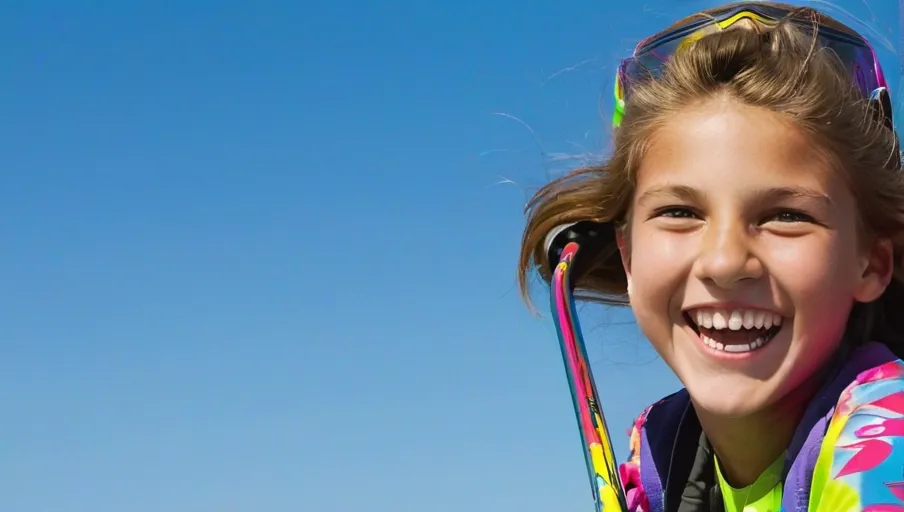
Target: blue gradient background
[(260, 256)]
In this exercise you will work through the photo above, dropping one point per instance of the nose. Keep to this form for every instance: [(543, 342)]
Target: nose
[(726, 259)]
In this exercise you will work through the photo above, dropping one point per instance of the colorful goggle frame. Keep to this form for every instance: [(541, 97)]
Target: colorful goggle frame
[(651, 54)]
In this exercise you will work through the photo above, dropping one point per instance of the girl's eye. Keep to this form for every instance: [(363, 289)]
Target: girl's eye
[(790, 216), (676, 213)]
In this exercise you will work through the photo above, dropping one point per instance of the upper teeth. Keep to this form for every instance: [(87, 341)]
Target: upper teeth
[(735, 319)]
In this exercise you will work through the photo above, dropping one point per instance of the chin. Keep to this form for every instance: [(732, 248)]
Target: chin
[(732, 405), (730, 397)]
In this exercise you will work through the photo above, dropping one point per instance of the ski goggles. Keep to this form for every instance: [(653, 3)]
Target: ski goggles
[(853, 50)]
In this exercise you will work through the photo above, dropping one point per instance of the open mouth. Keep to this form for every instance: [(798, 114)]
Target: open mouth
[(734, 331)]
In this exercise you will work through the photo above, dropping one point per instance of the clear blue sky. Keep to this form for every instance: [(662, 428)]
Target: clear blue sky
[(259, 259)]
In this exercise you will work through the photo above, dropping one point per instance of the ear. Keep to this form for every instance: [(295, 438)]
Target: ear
[(876, 271), (624, 251)]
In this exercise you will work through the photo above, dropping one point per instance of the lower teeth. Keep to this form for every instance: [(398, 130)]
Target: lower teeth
[(736, 348)]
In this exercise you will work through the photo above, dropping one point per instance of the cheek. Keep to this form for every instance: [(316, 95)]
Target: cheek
[(818, 276), (658, 257), (820, 268), (659, 268)]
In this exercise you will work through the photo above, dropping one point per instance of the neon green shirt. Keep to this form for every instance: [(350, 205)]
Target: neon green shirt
[(763, 495)]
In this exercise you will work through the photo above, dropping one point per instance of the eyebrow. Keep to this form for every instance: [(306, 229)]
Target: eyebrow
[(777, 194), (680, 192), (693, 195)]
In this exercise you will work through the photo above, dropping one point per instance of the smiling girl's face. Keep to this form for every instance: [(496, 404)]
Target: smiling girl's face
[(743, 255)]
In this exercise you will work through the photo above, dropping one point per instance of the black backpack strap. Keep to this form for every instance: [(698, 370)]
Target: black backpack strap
[(701, 491), (715, 500)]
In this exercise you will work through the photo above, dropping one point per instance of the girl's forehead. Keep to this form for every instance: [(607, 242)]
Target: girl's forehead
[(735, 146)]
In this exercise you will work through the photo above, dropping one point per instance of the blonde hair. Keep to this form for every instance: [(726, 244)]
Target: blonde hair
[(781, 68)]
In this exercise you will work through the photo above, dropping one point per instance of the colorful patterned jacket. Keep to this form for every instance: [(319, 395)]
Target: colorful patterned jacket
[(847, 454)]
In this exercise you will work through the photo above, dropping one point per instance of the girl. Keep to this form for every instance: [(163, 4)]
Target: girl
[(753, 218)]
